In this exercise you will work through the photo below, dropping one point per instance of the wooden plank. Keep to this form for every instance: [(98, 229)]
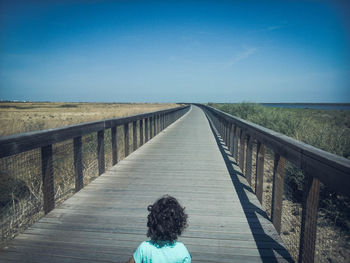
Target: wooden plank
[(78, 164), (260, 156), (114, 145), (249, 159), (146, 130), (235, 142), (242, 150), (320, 164), (47, 178), (134, 135), (151, 125), (141, 132), (101, 152), (126, 139), (14, 144), (309, 220), (107, 219), (277, 191)]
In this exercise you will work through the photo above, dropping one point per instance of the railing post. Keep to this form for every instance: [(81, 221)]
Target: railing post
[(242, 150), (277, 191), (146, 130), (47, 178), (134, 135), (158, 124), (141, 132), (221, 129), (114, 145), (249, 158), (155, 125), (309, 219), (231, 137), (162, 121), (78, 164), (126, 139), (101, 151), (226, 132), (151, 127), (260, 154), (235, 143)]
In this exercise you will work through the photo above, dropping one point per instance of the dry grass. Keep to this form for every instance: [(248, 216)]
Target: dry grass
[(20, 175), (19, 117)]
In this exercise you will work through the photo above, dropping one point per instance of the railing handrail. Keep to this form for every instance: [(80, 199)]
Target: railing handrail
[(317, 162), (17, 143)]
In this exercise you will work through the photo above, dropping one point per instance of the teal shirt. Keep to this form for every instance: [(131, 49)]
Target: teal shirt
[(147, 252)]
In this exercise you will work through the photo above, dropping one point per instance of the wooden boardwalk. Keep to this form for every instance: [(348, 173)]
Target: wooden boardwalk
[(106, 220)]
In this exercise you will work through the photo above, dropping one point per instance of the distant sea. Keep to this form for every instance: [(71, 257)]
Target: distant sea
[(317, 106)]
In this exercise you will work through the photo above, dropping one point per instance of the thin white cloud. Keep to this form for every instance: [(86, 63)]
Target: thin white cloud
[(246, 53), (272, 28)]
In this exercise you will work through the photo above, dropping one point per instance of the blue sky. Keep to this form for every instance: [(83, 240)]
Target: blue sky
[(170, 51)]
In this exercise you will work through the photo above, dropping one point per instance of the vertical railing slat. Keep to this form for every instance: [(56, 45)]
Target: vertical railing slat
[(260, 156), (146, 130), (47, 178), (242, 150), (134, 135), (235, 143), (141, 132), (126, 139), (114, 145), (151, 127), (101, 152), (249, 159), (309, 220), (277, 191), (78, 164)]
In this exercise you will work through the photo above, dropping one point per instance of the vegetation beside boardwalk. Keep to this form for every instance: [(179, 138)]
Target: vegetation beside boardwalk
[(328, 130), (19, 117), (21, 198)]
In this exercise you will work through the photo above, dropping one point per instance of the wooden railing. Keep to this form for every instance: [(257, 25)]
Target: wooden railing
[(316, 165), (150, 124)]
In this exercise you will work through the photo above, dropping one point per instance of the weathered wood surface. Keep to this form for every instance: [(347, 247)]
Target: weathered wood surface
[(106, 220), (332, 170)]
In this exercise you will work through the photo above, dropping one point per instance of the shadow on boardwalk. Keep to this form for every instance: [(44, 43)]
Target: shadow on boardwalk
[(268, 248)]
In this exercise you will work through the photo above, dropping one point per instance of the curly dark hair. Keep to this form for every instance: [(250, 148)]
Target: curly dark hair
[(166, 220)]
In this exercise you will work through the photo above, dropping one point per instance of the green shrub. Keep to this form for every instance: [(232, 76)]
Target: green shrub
[(324, 129), (327, 130)]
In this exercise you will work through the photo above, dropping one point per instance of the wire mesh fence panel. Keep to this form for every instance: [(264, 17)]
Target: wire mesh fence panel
[(268, 180), (253, 179), (21, 198), (333, 227), (35, 181), (63, 170), (138, 134), (238, 150), (130, 138), (89, 155), (120, 142), (292, 209), (108, 148)]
